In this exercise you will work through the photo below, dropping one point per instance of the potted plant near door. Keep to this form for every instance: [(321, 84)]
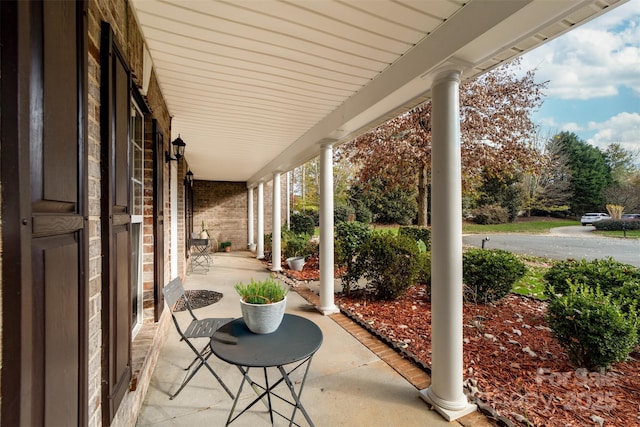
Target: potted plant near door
[(225, 246), (204, 233), (262, 304)]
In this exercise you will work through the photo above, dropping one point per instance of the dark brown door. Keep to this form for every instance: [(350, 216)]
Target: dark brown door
[(44, 211), (158, 219), (115, 94)]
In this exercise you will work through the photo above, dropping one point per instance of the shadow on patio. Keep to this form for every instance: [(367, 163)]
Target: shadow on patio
[(347, 383)]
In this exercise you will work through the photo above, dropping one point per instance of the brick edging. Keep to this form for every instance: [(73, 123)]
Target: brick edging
[(415, 371)]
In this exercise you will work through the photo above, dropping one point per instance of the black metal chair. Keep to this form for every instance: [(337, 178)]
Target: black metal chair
[(197, 328)]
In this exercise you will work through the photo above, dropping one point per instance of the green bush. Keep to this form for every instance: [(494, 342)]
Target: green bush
[(296, 245), (363, 214), (388, 263), (490, 274), (424, 268), (591, 327), (302, 224), (606, 273), (417, 234), (341, 213), (490, 214), (616, 225), (627, 296), (349, 237)]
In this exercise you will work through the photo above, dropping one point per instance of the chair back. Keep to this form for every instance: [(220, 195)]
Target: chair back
[(173, 291)]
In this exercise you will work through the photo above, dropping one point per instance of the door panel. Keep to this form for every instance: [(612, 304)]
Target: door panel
[(44, 46), (62, 343)]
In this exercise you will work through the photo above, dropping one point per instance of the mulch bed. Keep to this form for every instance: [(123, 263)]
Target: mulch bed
[(512, 362), (514, 368)]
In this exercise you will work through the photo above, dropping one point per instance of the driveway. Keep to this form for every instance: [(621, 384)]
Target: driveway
[(561, 243)]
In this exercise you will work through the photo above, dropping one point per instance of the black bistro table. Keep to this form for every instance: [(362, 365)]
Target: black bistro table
[(293, 343)]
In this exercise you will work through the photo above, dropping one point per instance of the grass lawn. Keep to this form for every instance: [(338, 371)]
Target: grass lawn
[(541, 225), (631, 234), (532, 284)]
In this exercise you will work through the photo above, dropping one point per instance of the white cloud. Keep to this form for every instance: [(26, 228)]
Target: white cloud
[(571, 127), (622, 128), (594, 60)]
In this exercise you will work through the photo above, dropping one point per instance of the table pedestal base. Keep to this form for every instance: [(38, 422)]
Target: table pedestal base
[(268, 392)]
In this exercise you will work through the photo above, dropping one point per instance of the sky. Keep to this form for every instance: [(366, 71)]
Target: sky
[(594, 80)]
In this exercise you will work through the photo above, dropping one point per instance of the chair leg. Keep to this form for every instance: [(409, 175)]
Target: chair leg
[(201, 358)]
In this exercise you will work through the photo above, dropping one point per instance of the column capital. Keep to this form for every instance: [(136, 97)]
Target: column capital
[(447, 73)]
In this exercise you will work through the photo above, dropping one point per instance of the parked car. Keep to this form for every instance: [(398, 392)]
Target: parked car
[(633, 216), (591, 218)]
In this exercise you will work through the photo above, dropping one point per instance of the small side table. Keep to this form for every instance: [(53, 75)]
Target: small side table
[(294, 342), (200, 258)]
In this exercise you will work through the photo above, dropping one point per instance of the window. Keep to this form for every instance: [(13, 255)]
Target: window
[(136, 162)]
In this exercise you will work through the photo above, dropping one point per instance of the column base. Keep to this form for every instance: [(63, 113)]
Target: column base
[(328, 310), (448, 414)]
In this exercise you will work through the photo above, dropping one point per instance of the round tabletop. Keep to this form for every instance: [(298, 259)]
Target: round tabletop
[(295, 339)]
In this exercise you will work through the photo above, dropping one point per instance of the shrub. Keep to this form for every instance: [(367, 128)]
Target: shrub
[(302, 224), (417, 234), (490, 274), (296, 245), (349, 237), (341, 213), (363, 214), (591, 327), (389, 263), (424, 268), (313, 212), (616, 225), (490, 214), (628, 298), (606, 273)]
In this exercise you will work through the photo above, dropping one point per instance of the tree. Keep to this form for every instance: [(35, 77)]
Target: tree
[(625, 173), (306, 183), (495, 129), (623, 163), (590, 173), (387, 205), (548, 188), (502, 190)]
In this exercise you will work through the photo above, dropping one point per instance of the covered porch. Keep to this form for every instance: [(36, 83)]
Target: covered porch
[(354, 379)]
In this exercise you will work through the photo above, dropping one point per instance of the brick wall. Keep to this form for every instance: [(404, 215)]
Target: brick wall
[(147, 345), (223, 208)]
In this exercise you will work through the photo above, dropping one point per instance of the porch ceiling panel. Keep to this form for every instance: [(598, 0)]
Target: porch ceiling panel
[(255, 86)]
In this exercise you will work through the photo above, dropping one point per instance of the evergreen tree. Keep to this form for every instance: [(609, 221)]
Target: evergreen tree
[(590, 173)]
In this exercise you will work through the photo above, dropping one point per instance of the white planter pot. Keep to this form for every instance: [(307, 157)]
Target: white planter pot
[(204, 235), (296, 263), (263, 318)]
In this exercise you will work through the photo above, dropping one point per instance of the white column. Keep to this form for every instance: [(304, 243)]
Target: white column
[(288, 203), (260, 231), (250, 240), (446, 390), (276, 261), (327, 305)]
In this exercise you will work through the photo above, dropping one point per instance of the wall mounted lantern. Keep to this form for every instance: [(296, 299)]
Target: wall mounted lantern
[(178, 146), (188, 179)]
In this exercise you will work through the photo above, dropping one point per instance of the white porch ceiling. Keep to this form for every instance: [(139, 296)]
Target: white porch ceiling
[(257, 86)]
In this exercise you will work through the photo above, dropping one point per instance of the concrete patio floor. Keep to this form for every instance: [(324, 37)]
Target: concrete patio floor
[(347, 385)]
